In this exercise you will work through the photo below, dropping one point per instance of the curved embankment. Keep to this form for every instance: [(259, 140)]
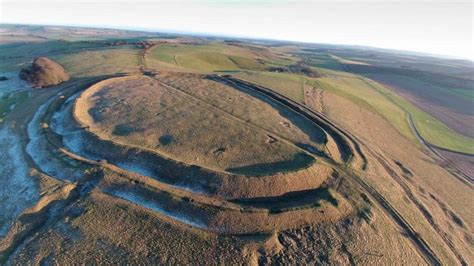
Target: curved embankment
[(18, 190), (231, 217), (346, 144), (215, 210), (39, 148), (238, 215), (421, 245), (192, 124), (49, 161), (148, 163), (222, 184)]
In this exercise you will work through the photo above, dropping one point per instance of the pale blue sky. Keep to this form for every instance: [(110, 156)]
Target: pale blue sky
[(435, 27)]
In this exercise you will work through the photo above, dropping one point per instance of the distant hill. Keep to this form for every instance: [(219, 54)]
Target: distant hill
[(44, 72)]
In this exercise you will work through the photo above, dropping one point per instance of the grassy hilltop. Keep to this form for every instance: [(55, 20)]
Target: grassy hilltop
[(154, 148)]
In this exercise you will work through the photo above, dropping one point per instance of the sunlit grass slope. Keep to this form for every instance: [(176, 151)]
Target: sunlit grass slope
[(371, 96), (289, 85), (394, 108), (101, 62), (207, 57)]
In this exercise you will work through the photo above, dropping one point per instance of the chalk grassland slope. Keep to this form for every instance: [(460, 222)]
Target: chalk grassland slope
[(394, 108), (369, 95), (211, 57), (101, 228), (104, 228), (290, 85), (452, 105), (420, 179), (236, 216), (15, 56), (199, 122), (83, 221), (125, 59), (441, 87)]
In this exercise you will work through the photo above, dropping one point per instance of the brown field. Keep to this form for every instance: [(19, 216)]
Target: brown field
[(453, 110)]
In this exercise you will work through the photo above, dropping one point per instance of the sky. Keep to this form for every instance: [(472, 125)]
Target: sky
[(435, 27)]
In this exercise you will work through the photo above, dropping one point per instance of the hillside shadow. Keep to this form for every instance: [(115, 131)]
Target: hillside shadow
[(299, 161), (291, 200)]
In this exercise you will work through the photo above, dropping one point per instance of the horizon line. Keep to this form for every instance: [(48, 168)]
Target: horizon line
[(225, 35)]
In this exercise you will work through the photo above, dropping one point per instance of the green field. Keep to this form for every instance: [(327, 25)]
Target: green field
[(434, 131), (290, 85), (322, 60), (7, 102), (375, 97), (101, 62), (90, 59), (371, 96), (15, 56), (208, 57)]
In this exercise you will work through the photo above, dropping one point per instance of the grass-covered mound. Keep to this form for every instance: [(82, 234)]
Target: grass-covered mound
[(44, 72), (201, 122)]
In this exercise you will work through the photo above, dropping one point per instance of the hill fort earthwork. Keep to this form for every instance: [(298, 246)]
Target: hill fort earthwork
[(187, 149)]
